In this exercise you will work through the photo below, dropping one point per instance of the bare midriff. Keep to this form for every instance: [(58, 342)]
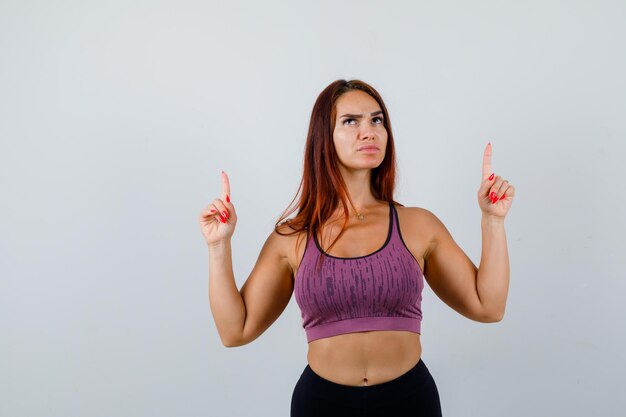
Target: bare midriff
[(365, 358)]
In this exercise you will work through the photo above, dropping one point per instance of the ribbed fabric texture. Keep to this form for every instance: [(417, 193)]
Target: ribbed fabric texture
[(379, 291)]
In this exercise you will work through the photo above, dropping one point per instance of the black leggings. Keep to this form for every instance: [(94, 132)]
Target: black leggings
[(412, 394)]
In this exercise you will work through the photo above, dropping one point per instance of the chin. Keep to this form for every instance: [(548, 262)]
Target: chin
[(371, 165)]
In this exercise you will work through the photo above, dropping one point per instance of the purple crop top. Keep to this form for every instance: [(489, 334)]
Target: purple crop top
[(379, 291)]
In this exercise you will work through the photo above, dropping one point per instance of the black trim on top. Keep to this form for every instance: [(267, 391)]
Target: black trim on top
[(402, 240), (391, 210)]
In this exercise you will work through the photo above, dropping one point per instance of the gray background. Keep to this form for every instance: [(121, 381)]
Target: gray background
[(116, 119)]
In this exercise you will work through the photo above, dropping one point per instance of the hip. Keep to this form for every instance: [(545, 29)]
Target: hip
[(410, 394)]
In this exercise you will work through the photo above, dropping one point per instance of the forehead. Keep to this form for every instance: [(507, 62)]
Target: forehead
[(356, 101)]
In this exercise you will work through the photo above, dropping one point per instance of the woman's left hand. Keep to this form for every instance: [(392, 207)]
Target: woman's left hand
[(495, 195)]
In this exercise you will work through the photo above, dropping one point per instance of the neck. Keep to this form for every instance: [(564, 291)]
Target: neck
[(359, 189)]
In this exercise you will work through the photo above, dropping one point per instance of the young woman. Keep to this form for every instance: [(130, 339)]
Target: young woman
[(356, 260)]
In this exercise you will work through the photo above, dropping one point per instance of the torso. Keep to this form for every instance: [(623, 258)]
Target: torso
[(373, 357)]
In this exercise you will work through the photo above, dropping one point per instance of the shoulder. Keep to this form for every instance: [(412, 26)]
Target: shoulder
[(421, 220), (416, 214), (286, 229), (285, 237), (283, 232)]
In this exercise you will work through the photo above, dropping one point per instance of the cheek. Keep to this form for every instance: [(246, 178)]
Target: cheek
[(384, 146), (340, 138)]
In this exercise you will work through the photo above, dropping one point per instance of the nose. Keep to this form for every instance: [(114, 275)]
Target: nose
[(367, 131)]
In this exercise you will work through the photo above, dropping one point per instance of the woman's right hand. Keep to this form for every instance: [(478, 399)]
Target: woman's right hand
[(218, 219)]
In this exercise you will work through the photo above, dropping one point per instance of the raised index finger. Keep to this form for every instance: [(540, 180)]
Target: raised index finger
[(225, 186), (487, 162)]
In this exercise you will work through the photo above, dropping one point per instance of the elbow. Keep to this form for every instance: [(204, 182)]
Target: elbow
[(493, 317), (232, 339), (230, 343), (241, 339)]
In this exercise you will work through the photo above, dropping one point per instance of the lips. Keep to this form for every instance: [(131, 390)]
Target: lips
[(368, 147)]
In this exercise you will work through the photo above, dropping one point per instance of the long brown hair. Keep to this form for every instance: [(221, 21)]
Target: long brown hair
[(322, 185)]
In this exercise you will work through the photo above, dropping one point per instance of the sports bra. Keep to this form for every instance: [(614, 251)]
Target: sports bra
[(379, 291)]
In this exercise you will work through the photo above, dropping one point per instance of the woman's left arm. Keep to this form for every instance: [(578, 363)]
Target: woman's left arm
[(477, 293), (495, 197)]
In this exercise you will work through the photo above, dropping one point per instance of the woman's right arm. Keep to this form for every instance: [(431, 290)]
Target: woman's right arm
[(242, 316)]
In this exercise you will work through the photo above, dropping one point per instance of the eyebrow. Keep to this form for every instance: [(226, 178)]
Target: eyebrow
[(358, 116)]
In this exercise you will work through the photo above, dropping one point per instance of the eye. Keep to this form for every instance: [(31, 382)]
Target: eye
[(379, 118), (347, 120)]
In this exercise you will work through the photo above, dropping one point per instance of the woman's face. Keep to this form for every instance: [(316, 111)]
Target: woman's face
[(359, 126)]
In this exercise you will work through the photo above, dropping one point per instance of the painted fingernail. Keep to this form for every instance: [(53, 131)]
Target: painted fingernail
[(491, 176), (227, 198), (502, 197), (225, 214), (222, 219), (212, 211), (492, 195)]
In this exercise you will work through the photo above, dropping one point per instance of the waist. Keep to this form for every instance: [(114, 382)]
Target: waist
[(374, 356)]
